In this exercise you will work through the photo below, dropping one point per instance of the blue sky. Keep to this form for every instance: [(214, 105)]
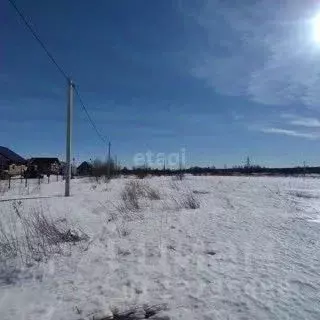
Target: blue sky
[(222, 79)]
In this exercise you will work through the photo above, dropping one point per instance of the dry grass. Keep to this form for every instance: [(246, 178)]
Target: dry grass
[(130, 196), (9, 241), (134, 191), (200, 192), (145, 312), (33, 237), (133, 198), (303, 194), (175, 185), (150, 193), (187, 201)]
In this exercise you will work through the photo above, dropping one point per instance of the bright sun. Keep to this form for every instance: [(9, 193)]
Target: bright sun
[(316, 28)]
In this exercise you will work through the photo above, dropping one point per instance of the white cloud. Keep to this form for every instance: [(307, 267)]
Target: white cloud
[(306, 122), (263, 51), (302, 121), (292, 133)]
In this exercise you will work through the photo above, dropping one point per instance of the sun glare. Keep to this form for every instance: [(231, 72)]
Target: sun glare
[(316, 28)]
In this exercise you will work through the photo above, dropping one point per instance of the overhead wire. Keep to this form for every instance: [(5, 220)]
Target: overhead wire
[(60, 69)]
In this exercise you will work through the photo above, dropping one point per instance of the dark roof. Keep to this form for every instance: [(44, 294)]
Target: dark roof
[(84, 165), (10, 155), (43, 160)]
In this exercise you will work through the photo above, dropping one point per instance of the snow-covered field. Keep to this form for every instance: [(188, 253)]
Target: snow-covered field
[(251, 251)]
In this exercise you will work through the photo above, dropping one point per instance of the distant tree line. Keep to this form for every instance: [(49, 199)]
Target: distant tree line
[(100, 168), (236, 170)]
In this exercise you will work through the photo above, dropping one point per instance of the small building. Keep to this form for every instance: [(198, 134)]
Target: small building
[(45, 165), (11, 163), (84, 169)]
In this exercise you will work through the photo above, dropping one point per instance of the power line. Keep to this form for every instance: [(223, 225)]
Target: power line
[(88, 116), (38, 39), (53, 60)]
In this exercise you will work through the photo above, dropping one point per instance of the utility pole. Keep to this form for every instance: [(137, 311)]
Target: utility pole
[(69, 137), (109, 159)]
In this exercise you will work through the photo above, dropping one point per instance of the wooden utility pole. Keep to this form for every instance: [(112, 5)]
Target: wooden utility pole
[(69, 138)]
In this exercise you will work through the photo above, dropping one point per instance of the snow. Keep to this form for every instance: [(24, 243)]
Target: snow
[(251, 251)]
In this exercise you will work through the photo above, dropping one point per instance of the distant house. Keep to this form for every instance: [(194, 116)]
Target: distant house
[(11, 162), (45, 165), (85, 169)]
